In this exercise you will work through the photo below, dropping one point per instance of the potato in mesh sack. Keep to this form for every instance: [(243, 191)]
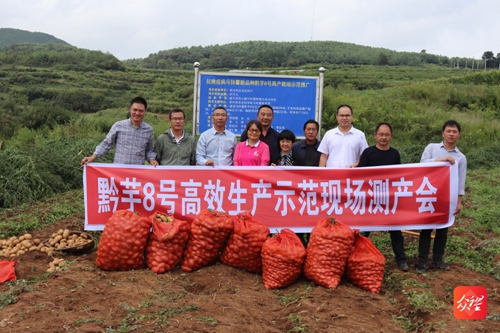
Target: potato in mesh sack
[(123, 240), (209, 232), (282, 259), (244, 246), (329, 247), (166, 243), (366, 264)]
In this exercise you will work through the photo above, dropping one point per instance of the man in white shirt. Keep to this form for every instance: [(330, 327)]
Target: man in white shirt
[(342, 146)]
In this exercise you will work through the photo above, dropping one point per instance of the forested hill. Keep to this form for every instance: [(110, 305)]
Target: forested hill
[(263, 54), (58, 56), (10, 36)]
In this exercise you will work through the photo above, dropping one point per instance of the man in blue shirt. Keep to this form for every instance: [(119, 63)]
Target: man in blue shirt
[(132, 138), (216, 145), (446, 151)]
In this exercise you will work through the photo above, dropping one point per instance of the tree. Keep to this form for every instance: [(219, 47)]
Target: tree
[(488, 58), (383, 59), (488, 55)]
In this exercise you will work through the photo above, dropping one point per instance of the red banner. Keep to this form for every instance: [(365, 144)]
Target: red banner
[(407, 196)]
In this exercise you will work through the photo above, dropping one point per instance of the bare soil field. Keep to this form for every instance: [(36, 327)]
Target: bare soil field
[(219, 298)]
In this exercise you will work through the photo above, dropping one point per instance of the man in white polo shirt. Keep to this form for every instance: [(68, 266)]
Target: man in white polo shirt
[(342, 146)]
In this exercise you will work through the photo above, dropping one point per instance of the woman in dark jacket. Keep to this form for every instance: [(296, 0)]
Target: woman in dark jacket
[(285, 140)]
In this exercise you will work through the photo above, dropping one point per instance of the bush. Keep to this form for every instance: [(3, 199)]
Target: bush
[(20, 180), (485, 157), (45, 169)]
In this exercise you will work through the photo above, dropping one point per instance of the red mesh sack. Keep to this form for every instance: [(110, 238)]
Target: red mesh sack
[(329, 247), (209, 232), (7, 270), (123, 240), (244, 246), (166, 242), (282, 259), (366, 264)]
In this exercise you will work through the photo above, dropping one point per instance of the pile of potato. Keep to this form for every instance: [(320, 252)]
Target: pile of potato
[(17, 246), (62, 239), (56, 265)]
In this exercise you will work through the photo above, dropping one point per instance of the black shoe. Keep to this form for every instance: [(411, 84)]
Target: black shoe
[(441, 264), (404, 267), (422, 268)]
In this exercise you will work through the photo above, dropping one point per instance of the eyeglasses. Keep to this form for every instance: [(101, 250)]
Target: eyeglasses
[(344, 115), (176, 119), (219, 115), (253, 130)]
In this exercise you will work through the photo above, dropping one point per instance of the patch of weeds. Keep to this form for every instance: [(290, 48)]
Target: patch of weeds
[(166, 296), (18, 287), (393, 280), (81, 285), (298, 325), (294, 296), (423, 301), (406, 323), (495, 317), (128, 323), (414, 283), (495, 271), (208, 320), (172, 312)]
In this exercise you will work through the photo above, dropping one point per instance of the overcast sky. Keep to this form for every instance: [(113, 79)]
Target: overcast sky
[(135, 29)]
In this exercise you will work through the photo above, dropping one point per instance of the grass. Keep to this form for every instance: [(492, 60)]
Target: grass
[(424, 301), (34, 216), (288, 297), (208, 320), (298, 325)]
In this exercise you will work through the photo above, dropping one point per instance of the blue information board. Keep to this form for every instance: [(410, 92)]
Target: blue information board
[(294, 100)]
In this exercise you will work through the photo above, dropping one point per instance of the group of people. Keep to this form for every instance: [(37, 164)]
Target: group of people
[(261, 145)]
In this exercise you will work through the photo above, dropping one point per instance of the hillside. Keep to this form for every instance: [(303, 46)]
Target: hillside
[(9, 36), (264, 54)]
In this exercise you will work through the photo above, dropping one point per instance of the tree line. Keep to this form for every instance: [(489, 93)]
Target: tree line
[(264, 54)]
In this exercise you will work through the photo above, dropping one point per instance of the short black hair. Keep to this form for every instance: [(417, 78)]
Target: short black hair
[(380, 124), (344, 106), (286, 134), (139, 100), (265, 106), (175, 111), (219, 107), (312, 121), (452, 123)]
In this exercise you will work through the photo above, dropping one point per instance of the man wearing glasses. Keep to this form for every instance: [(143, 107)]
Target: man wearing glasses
[(342, 146), (175, 146), (216, 145)]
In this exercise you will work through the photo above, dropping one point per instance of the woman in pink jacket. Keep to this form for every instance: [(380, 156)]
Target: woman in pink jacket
[(252, 151)]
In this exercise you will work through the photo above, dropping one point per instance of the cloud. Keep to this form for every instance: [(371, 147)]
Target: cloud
[(135, 29)]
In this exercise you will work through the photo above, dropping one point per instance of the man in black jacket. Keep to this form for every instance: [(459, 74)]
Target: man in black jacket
[(305, 152)]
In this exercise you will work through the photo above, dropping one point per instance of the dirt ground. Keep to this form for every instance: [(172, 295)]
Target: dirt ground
[(219, 298)]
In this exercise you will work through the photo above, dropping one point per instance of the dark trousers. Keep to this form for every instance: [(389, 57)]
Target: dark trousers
[(424, 245), (304, 238), (398, 244)]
